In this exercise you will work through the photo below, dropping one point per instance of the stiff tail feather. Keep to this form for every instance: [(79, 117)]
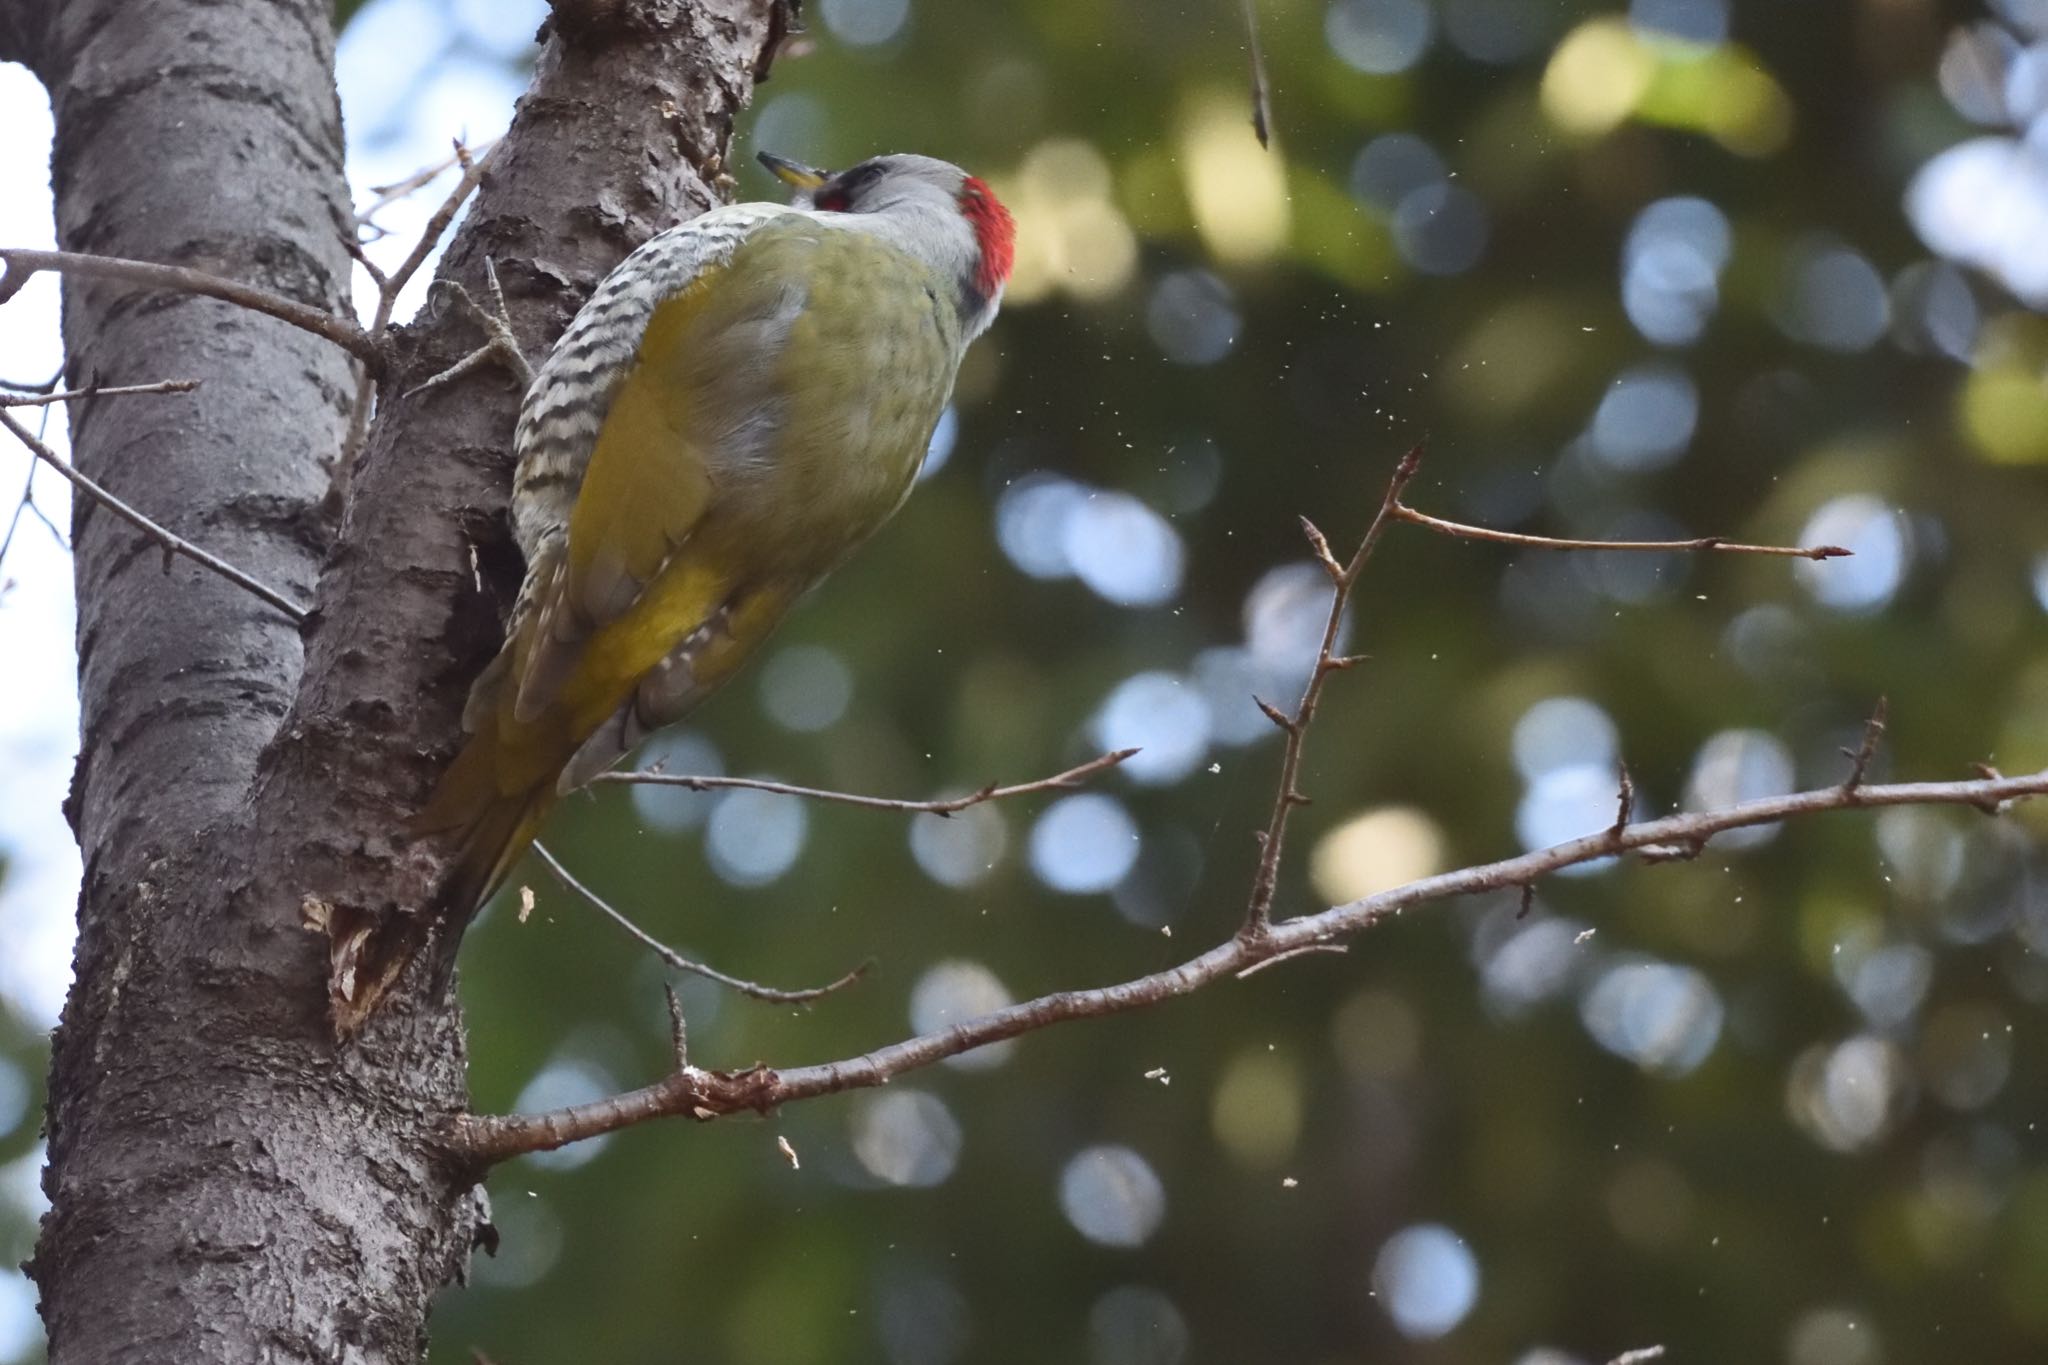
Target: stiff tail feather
[(491, 827)]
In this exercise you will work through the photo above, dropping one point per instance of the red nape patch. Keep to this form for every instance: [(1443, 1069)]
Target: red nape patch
[(994, 229)]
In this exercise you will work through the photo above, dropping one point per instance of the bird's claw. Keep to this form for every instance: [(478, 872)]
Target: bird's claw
[(500, 345)]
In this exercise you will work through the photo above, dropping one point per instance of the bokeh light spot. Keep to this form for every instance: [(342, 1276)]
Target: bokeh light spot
[(961, 849), (1735, 766), (1427, 1279), (865, 23), (1122, 549), (1646, 418), (805, 688), (1112, 1196), (1849, 1095), (1379, 37), (1833, 1336), (1374, 851), (1564, 732), (1193, 317), (1256, 1111), (753, 837), (1392, 166), (1663, 1017), (1136, 1325), (906, 1137), (1875, 534), (1440, 229), (953, 992), (1164, 718), (1084, 844)]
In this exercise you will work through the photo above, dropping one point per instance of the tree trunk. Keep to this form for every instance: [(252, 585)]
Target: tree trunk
[(228, 1183)]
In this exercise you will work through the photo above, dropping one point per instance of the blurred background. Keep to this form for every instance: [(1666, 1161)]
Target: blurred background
[(1665, 268)]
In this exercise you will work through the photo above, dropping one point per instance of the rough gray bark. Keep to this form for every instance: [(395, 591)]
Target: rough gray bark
[(227, 1183)]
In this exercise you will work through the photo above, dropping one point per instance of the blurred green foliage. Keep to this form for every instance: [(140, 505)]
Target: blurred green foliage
[(1769, 1105)]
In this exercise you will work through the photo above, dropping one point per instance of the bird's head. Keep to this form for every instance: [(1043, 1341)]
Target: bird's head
[(971, 223)]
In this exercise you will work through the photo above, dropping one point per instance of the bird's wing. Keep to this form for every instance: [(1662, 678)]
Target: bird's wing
[(698, 399), (566, 407)]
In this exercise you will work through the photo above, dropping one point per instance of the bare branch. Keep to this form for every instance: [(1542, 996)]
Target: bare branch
[(472, 176), (388, 195), (1461, 531), (700, 1094), (1860, 756), (172, 544), (1642, 1355), (752, 990), (952, 805), (388, 289), (23, 400), (1625, 800), (1273, 839), (343, 332)]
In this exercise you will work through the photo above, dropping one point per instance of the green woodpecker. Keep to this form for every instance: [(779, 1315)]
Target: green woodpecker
[(742, 402)]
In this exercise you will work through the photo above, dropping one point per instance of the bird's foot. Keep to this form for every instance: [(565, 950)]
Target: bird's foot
[(500, 345)]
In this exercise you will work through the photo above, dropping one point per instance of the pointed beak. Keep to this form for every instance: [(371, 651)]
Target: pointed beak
[(793, 173)]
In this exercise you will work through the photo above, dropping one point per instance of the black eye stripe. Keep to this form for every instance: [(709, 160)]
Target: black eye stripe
[(857, 178)]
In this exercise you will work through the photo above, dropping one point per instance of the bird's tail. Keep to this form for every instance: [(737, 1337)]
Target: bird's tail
[(491, 826)]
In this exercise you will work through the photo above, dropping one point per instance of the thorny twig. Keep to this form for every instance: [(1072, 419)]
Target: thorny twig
[(22, 264), (751, 989), (1343, 577), (952, 805), (1860, 756), (1460, 531), (171, 543), (707, 1094)]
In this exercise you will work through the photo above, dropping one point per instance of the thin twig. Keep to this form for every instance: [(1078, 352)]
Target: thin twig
[(1642, 1355), (388, 195), (484, 1141), (1262, 95), (40, 386), (751, 989), (472, 176), (678, 1030), (1259, 910), (388, 289), (1461, 531), (1860, 756), (16, 400), (1625, 800), (28, 493), (952, 805), (22, 264), (171, 543), (1306, 949)]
